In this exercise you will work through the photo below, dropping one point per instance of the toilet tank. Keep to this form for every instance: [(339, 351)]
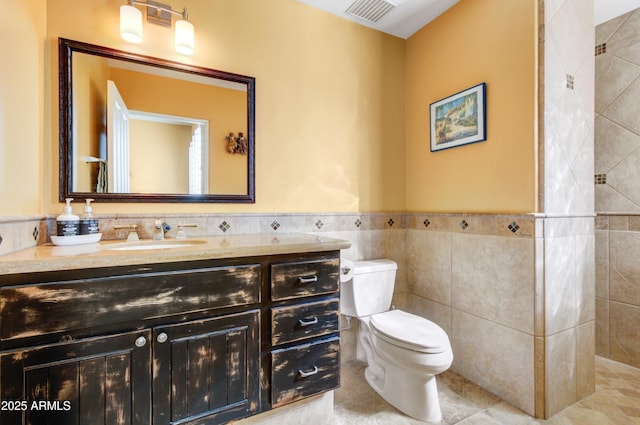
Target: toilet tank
[(370, 290)]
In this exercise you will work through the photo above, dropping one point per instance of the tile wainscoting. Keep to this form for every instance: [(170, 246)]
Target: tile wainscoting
[(17, 233), (512, 291), (474, 276), (515, 293), (23, 232)]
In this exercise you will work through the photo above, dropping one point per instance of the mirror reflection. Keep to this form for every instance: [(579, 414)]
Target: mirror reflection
[(144, 128)]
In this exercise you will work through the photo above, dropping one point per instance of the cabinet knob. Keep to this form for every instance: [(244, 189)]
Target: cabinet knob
[(141, 341), (304, 374), (162, 337)]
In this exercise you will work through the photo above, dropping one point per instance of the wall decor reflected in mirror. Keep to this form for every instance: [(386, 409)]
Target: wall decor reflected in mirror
[(134, 128)]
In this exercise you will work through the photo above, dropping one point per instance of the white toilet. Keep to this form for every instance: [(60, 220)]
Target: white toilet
[(404, 352)]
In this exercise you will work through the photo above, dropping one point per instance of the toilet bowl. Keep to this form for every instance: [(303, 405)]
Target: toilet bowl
[(404, 352)]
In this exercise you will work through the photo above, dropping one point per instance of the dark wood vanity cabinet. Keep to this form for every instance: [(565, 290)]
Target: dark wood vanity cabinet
[(305, 338), (199, 342)]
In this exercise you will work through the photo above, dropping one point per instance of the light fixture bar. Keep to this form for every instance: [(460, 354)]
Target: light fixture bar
[(161, 7), (160, 14)]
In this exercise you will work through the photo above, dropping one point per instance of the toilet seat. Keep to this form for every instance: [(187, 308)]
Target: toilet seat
[(409, 331)]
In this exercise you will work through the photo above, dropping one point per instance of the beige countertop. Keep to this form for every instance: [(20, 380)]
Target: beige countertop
[(49, 257)]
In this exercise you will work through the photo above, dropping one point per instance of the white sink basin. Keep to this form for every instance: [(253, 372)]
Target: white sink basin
[(150, 245)]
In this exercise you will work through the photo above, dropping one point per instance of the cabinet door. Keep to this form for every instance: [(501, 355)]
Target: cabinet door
[(207, 371), (105, 380)]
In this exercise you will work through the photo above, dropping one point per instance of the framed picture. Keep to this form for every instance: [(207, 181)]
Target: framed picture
[(459, 119)]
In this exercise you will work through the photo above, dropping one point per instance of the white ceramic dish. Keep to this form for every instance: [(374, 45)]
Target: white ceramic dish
[(76, 240)]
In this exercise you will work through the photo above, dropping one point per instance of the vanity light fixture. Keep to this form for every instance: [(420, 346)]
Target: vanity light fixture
[(131, 23)]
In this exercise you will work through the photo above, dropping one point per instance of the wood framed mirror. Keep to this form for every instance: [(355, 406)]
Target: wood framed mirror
[(134, 128)]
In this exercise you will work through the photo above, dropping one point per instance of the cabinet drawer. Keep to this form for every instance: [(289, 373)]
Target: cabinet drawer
[(305, 278), (304, 370), (30, 310), (299, 321)]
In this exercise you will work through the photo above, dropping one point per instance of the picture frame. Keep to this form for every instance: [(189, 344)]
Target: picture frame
[(459, 119)]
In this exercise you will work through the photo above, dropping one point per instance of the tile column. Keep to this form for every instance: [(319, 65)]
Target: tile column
[(565, 241)]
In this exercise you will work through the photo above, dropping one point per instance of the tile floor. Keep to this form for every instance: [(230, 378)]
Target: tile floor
[(616, 401)]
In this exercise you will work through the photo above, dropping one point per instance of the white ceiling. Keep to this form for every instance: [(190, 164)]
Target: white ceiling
[(402, 20), (408, 16)]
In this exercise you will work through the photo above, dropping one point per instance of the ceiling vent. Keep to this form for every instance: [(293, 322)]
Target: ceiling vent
[(370, 10)]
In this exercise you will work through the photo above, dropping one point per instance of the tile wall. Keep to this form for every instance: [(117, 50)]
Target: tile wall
[(617, 188), (18, 233), (617, 128), (565, 329), (564, 250), (475, 275), (516, 296), (618, 288), (366, 232)]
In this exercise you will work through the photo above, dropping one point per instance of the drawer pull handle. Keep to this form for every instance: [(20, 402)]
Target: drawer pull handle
[(141, 341), (307, 279), (303, 322), (163, 337), (304, 374)]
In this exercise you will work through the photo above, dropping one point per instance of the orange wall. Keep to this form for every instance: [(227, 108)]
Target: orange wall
[(329, 99), (22, 102), (492, 41), (331, 103)]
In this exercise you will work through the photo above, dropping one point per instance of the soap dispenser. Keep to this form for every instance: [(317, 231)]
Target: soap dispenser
[(68, 222), (88, 223)]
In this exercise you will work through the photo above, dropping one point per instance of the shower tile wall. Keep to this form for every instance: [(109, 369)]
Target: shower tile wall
[(618, 288), (617, 138), (617, 189)]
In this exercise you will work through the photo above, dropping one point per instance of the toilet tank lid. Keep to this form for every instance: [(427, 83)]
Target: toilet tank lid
[(372, 266)]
